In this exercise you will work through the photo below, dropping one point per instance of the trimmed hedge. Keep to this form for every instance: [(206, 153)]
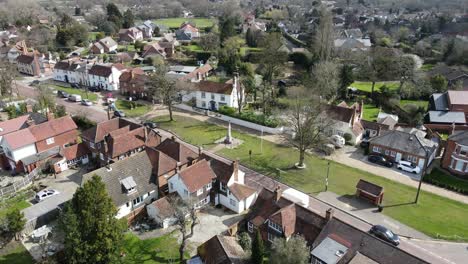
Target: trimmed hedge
[(249, 116), (439, 178)]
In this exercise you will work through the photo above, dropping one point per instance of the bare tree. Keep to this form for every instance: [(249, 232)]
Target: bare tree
[(7, 76), (186, 219), (164, 88), (323, 41), (306, 117), (325, 79)]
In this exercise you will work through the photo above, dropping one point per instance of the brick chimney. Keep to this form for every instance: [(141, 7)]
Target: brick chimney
[(29, 108), (29, 122), (329, 214), (235, 170), (278, 192)]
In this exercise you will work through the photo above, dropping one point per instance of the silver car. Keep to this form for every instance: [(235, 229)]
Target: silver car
[(44, 194)]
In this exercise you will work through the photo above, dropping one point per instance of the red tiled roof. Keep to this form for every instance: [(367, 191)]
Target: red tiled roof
[(126, 142), (241, 191), (19, 138), (215, 87), (25, 59), (53, 128), (12, 124), (165, 209), (96, 134), (76, 151), (177, 151), (161, 162), (197, 176), (100, 70), (222, 170)]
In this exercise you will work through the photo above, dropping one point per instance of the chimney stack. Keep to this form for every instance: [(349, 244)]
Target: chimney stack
[(329, 214), (178, 165), (173, 138), (29, 108), (278, 193), (235, 170)]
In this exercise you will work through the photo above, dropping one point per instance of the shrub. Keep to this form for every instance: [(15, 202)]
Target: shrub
[(83, 122), (245, 241), (439, 178), (249, 116), (347, 137), (226, 110)]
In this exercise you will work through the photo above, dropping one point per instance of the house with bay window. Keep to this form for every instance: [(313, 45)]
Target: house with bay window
[(455, 158), (398, 145), (130, 183)]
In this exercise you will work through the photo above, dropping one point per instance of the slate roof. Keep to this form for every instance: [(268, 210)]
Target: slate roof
[(100, 70), (53, 128), (460, 137), (137, 166), (404, 142), (108, 41), (41, 156), (364, 243), (439, 101), (327, 250), (222, 250), (197, 176), (447, 117), (177, 151), (241, 191), (25, 59)]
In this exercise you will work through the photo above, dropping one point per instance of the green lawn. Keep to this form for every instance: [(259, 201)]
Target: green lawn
[(92, 35), (245, 50), (192, 48), (367, 86), (15, 253), (90, 95), (426, 216), (17, 202), (132, 111), (163, 249), (175, 22), (416, 102), (427, 67), (129, 47), (370, 112)]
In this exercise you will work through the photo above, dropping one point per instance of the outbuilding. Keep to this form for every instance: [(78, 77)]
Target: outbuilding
[(369, 191)]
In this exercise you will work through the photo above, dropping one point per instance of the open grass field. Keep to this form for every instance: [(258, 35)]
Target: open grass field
[(192, 48), (370, 112), (84, 95), (163, 249), (175, 22), (425, 216), (136, 110), (15, 253), (367, 86)]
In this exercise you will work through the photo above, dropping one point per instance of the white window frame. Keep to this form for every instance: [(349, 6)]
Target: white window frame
[(392, 153), (200, 192), (91, 144), (376, 149), (387, 152), (250, 227), (203, 104), (203, 95), (275, 226), (50, 141), (271, 237), (209, 186), (222, 187), (223, 98)]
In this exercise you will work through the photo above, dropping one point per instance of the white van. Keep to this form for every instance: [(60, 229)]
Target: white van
[(75, 98)]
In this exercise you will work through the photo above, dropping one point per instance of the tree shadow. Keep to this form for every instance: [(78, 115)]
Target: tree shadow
[(399, 204), (356, 203)]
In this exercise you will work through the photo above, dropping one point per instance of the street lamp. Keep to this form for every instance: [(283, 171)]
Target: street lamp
[(326, 179), (426, 161)]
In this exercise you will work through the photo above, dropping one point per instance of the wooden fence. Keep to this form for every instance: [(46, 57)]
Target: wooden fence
[(19, 185)]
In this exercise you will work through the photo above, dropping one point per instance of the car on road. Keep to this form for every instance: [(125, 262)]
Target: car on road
[(377, 159), (408, 166), (119, 113), (150, 124), (385, 234), (63, 94), (338, 141), (86, 102), (74, 98), (44, 194)]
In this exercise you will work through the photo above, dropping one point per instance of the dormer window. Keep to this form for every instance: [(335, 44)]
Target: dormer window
[(129, 184)]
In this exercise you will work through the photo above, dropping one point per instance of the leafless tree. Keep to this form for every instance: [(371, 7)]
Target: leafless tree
[(186, 218), (7, 76), (306, 117), (325, 79), (323, 42), (164, 88)]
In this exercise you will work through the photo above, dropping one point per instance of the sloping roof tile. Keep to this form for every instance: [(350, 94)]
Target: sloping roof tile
[(76, 151), (176, 150), (241, 191), (19, 138), (197, 176), (53, 128)]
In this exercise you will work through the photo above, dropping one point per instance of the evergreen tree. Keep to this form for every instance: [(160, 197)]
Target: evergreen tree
[(128, 19), (114, 15), (93, 234), (250, 38), (258, 249), (15, 220), (227, 27), (346, 78)]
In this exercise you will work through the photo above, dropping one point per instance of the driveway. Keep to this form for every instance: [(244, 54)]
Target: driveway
[(354, 157), (66, 183)]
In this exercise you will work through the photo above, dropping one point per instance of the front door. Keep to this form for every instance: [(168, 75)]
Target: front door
[(398, 156), (212, 105)]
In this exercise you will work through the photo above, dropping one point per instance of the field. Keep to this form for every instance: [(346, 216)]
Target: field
[(367, 86), (177, 21), (370, 112), (163, 249), (137, 110), (399, 198)]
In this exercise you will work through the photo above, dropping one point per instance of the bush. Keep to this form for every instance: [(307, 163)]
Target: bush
[(83, 122), (249, 116), (347, 137), (245, 241), (439, 178), (226, 110)]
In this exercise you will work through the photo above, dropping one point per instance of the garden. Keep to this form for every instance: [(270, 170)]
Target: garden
[(164, 249), (267, 157)]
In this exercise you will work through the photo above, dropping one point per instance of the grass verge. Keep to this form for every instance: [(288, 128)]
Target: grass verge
[(367, 86), (82, 92), (15, 253), (132, 109), (175, 22), (163, 249)]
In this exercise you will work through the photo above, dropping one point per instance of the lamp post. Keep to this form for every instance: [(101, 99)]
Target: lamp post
[(426, 162), (326, 179)]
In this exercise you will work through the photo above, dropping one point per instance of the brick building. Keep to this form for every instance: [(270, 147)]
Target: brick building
[(455, 158)]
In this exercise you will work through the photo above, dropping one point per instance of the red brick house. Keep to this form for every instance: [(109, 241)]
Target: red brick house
[(130, 35), (56, 132), (133, 82), (455, 158)]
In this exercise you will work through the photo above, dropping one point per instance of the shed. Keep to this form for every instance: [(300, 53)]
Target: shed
[(370, 191)]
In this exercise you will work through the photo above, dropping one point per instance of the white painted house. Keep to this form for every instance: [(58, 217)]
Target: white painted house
[(71, 71), (18, 145), (194, 183), (212, 95), (105, 77), (162, 212)]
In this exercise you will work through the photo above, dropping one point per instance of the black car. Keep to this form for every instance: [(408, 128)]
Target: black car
[(150, 124), (385, 234), (75, 85), (62, 94), (94, 89), (380, 160), (119, 113)]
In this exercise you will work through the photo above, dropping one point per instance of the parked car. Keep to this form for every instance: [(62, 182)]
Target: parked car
[(75, 85), (385, 234), (132, 98), (75, 98), (408, 166), (86, 102), (44, 194), (380, 160), (150, 124), (119, 113), (94, 89), (63, 94), (337, 140)]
